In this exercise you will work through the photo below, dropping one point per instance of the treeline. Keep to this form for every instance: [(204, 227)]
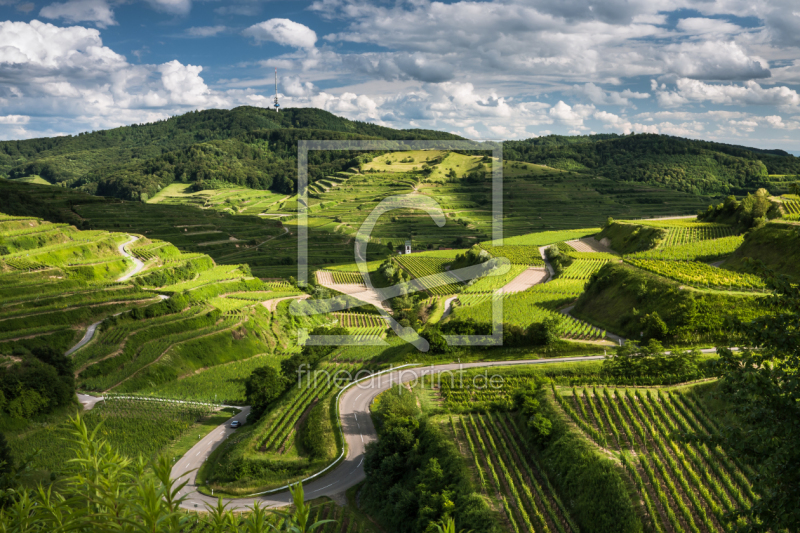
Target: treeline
[(752, 211), (416, 475), (697, 167), (39, 383), (539, 334)]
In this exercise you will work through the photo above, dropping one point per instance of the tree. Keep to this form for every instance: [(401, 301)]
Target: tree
[(6, 458), (543, 333), (761, 386), (653, 327), (262, 387), (526, 401)]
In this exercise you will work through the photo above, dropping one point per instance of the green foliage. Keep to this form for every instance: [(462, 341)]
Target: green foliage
[(751, 211), (315, 436), (560, 261), (631, 238), (527, 401), (760, 384), (415, 474), (699, 274), (592, 485), (262, 387), (775, 245), (137, 493), (634, 360), (697, 167), (39, 384), (619, 296)]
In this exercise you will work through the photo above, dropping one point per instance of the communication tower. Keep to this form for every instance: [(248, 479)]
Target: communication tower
[(277, 105)]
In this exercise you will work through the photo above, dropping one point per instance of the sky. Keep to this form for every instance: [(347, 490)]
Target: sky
[(722, 70)]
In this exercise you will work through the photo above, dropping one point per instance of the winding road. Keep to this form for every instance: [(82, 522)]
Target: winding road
[(138, 265), (358, 432)]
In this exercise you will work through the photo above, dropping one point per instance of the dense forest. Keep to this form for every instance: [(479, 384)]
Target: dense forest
[(698, 167), (247, 146)]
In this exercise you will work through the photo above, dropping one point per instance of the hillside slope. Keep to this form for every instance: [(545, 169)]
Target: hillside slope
[(140, 159), (256, 147), (698, 167), (777, 246), (620, 297)]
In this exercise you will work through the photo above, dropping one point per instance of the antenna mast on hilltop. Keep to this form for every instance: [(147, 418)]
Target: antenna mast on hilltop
[(277, 105)]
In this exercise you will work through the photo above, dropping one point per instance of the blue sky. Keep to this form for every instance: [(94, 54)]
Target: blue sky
[(725, 70)]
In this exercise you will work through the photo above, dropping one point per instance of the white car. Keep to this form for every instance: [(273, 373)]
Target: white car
[(235, 424)]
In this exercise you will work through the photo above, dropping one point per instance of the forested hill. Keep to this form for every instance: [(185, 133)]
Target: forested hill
[(248, 146), (257, 148), (698, 167)]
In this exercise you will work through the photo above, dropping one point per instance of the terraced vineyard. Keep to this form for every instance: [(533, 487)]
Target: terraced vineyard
[(700, 274), (442, 282), (582, 269), (545, 238), (347, 277), (132, 426), (359, 320), (686, 482), (707, 250), (507, 468), (492, 283), (695, 233), (218, 384), (529, 307), (311, 390), (517, 255), (792, 206)]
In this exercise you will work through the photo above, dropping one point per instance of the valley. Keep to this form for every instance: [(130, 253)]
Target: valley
[(165, 285)]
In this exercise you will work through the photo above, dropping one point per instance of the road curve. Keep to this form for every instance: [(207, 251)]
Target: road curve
[(138, 265), (358, 431), (86, 338)]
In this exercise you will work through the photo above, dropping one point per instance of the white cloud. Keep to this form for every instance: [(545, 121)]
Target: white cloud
[(95, 11), (775, 121), (293, 86), (176, 7), (14, 119), (750, 93), (712, 60), (571, 116), (205, 31), (183, 83), (598, 96), (704, 26), (623, 125), (283, 31)]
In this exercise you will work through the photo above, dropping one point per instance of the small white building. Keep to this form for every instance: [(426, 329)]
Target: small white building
[(408, 247)]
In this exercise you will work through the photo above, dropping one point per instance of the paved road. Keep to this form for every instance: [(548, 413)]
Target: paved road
[(86, 338), (358, 431), (448, 307), (138, 265)]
